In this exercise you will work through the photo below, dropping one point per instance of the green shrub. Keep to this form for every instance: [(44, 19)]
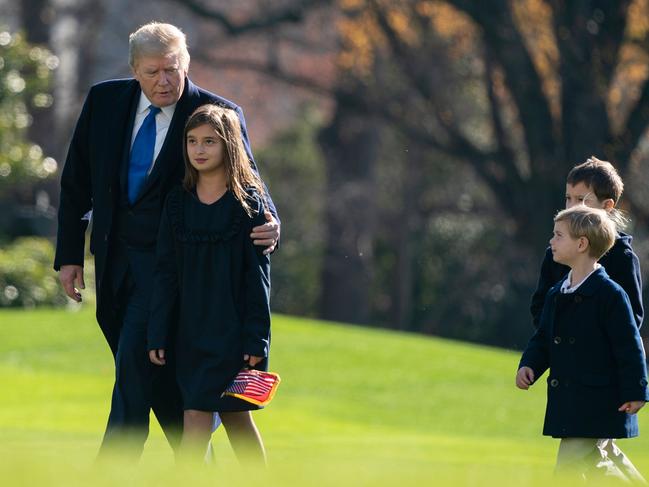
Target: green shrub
[(26, 275)]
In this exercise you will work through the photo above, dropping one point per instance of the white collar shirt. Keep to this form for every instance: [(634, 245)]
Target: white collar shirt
[(162, 122), (565, 286)]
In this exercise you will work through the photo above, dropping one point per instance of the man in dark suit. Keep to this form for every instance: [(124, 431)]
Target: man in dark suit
[(124, 157)]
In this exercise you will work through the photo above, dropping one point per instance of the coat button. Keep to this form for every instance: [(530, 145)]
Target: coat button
[(106, 238), (557, 340), (577, 299), (643, 382), (554, 382), (571, 340)]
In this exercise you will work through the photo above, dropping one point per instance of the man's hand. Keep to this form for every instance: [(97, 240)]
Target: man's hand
[(71, 277), (157, 356), (266, 235), (252, 360), (524, 378), (631, 407)]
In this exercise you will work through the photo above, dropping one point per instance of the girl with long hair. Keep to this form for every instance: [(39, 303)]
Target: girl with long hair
[(212, 285)]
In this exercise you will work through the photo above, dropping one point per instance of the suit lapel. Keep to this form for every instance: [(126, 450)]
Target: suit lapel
[(122, 125)]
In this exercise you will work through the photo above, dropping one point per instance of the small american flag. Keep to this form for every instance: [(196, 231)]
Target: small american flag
[(254, 386)]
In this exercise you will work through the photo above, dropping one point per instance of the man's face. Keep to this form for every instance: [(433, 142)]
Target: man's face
[(162, 78)]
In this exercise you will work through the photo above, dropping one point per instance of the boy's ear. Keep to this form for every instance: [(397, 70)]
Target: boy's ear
[(583, 244), (608, 204)]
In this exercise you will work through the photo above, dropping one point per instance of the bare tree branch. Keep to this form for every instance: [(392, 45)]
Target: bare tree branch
[(523, 81), (589, 37), (293, 14), (592, 33), (635, 128), (419, 78), (458, 144), (269, 69), (403, 53)]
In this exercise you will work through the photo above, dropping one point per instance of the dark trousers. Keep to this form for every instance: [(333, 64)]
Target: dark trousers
[(139, 385)]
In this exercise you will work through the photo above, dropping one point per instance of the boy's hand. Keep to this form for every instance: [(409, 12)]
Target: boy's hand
[(631, 407), (252, 360), (524, 378), (157, 356)]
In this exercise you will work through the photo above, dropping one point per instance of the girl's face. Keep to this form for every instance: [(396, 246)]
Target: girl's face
[(205, 149)]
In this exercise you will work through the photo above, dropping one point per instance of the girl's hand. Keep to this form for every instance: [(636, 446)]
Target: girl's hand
[(631, 407), (157, 356), (524, 378), (251, 359)]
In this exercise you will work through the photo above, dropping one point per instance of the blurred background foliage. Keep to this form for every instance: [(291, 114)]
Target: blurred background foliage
[(416, 149), (26, 279), (293, 167)]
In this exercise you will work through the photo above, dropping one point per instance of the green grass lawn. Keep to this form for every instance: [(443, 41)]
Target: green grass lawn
[(356, 407)]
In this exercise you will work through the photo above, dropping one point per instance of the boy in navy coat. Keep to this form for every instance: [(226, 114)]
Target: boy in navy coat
[(596, 184), (589, 340)]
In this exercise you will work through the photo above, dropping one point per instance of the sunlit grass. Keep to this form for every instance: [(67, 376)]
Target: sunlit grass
[(356, 407)]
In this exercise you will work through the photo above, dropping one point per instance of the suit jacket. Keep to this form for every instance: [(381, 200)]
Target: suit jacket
[(92, 181), (590, 342)]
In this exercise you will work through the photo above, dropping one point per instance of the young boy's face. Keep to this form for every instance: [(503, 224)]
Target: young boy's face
[(581, 193), (565, 248)]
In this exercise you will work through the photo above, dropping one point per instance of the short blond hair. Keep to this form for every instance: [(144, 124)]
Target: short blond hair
[(592, 223), (154, 39)]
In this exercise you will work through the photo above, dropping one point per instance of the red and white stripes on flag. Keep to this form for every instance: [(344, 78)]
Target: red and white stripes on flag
[(254, 386)]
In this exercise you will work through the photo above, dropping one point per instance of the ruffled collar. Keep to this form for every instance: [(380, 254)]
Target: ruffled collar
[(176, 204)]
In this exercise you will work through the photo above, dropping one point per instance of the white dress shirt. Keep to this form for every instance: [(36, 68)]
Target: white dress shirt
[(565, 287), (162, 122)]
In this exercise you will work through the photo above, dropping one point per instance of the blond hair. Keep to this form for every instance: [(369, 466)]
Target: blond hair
[(155, 39), (592, 223), (239, 173)]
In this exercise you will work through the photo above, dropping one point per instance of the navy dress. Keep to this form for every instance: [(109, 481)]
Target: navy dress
[(211, 295)]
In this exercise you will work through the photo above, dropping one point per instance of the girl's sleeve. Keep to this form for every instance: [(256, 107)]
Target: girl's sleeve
[(164, 296), (627, 348), (256, 321)]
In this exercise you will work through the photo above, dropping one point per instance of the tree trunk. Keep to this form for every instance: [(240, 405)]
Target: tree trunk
[(350, 144)]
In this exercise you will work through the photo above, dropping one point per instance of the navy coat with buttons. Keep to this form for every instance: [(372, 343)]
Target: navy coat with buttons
[(621, 264), (590, 342)]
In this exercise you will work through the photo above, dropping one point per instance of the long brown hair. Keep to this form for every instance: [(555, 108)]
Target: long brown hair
[(239, 173)]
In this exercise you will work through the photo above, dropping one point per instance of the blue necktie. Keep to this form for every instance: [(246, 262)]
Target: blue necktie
[(142, 154)]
